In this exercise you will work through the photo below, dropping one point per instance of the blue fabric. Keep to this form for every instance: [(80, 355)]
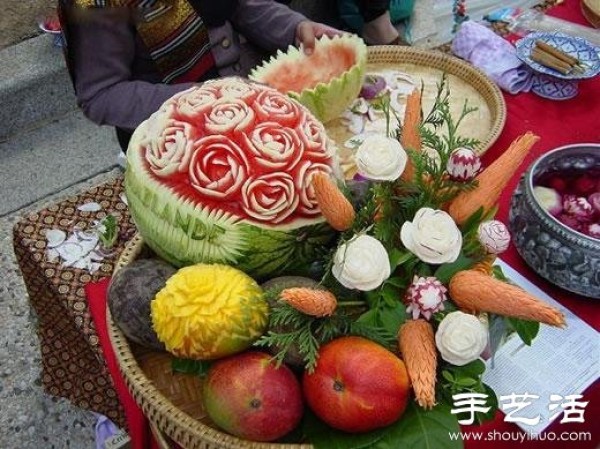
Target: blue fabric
[(349, 13)]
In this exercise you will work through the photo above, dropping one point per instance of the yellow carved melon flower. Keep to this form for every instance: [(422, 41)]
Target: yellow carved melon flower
[(209, 311)]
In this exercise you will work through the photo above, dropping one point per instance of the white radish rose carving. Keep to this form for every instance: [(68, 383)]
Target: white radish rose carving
[(221, 174)]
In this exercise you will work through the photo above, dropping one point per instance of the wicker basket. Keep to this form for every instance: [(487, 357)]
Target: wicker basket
[(172, 402), (466, 83), (591, 11)]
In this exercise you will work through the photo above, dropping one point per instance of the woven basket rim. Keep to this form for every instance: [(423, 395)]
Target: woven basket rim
[(160, 411), (450, 64)]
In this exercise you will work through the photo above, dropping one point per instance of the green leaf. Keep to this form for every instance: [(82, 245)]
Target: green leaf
[(398, 257), (473, 221), (188, 366), (492, 402), (369, 317), (422, 429), (108, 231), (473, 369), (390, 295), (466, 382), (448, 376), (527, 330), (498, 273), (391, 318), (397, 282), (445, 272), (324, 437), (498, 331)]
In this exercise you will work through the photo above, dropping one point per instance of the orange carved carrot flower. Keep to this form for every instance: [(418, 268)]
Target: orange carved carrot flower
[(475, 291), (411, 137), (309, 301), (335, 207), (492, 180), (417, 345)]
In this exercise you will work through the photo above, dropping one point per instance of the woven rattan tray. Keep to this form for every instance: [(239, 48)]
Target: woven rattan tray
[(466, 82), (591, 11), (172, 402)]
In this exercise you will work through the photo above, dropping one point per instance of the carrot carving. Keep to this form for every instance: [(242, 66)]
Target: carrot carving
[(335, 207), (486, 265), (411, 138), (475, 291), (417, 345), (312, 302), (492, 180)]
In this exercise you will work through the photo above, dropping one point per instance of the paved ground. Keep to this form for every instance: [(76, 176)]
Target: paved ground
[(48, 151), (19, 18)]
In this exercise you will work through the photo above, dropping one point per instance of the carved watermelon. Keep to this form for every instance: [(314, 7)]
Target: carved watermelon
[(221, 174), (326, 82)]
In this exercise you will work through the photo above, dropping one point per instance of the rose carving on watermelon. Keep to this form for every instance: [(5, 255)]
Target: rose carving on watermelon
[(221, 174)]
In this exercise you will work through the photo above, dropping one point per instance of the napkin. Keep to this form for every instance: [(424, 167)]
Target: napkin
[(493, 55)]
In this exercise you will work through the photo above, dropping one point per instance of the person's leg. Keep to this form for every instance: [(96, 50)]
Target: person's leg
[(378, 28), (123, 136)]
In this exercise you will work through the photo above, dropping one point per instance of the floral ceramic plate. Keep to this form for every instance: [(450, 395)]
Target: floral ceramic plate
[(577, 47)]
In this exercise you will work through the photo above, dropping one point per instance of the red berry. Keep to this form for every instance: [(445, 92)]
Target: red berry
[(584, 185), (557, 184)]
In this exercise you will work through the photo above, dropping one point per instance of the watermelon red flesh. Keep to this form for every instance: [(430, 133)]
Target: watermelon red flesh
[(269, 192), (272, 190), (319, 67)]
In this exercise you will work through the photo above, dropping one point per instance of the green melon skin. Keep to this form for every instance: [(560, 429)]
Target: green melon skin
[(327, 101), (183, 234)]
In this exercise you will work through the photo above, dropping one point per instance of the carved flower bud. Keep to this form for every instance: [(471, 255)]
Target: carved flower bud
[(463, 164), (593, 230), (594, 200), (578, 207), (549, 199), (494, 236), (425, 296)]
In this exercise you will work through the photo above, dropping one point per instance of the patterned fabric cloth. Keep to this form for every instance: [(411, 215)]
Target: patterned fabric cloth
[(73, 365), (492, 54)]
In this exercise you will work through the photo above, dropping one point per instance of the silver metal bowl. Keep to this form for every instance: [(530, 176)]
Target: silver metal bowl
[(556, 252)]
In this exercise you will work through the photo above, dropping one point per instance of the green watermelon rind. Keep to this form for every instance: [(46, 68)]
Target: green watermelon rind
[(184, 234), (327, 101)]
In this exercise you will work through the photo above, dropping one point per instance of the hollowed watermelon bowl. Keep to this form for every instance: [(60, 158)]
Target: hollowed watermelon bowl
[(326, 82)]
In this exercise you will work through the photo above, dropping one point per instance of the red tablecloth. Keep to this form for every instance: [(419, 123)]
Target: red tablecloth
[(558, 123)]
